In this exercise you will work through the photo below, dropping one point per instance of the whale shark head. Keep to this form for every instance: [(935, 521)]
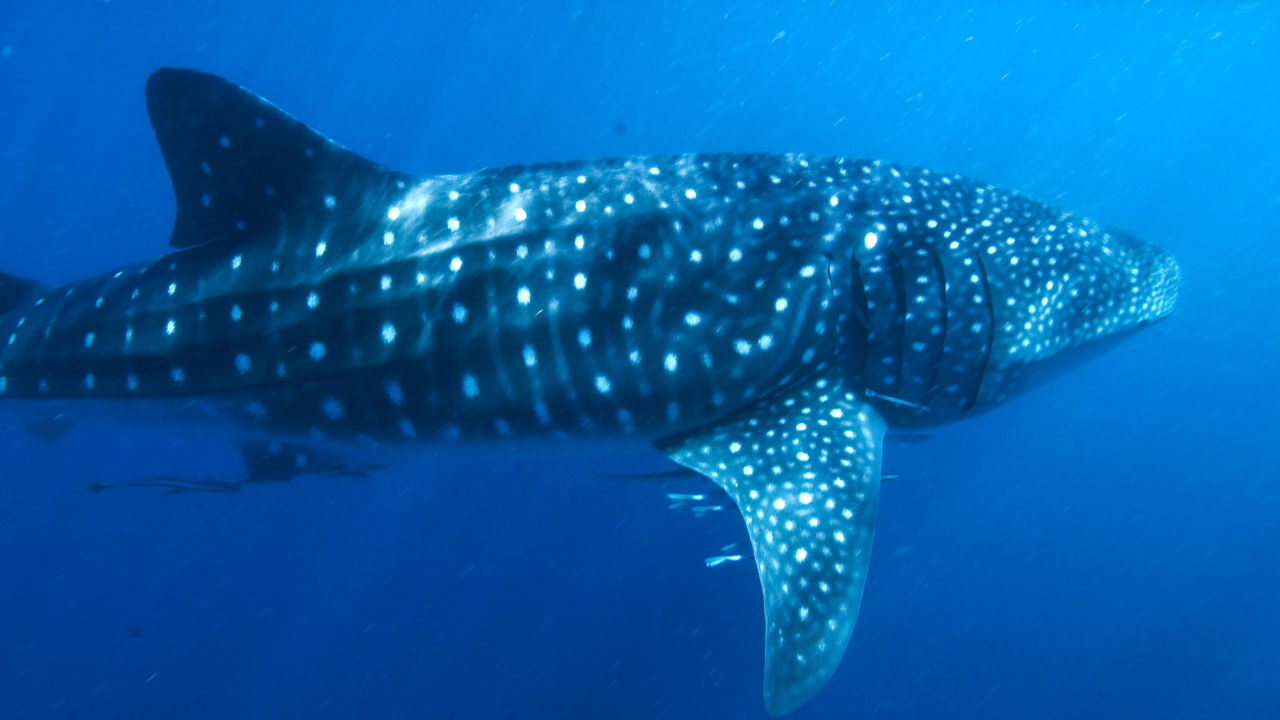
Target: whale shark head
[(964, 292), (1099, 289)]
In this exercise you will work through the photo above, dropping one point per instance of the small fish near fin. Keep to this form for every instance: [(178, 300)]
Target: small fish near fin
[(170, 485), (803, 467), (242, 168)]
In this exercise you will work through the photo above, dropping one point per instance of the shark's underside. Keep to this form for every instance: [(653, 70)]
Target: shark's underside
[(761, 319)]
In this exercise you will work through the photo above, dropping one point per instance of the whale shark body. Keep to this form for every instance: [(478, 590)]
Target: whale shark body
[(759, 319)]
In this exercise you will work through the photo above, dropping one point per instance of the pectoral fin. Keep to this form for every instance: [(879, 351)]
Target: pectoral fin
[(48, 428), (804, 469)]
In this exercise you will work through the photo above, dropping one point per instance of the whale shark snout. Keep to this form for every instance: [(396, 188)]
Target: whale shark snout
[(1162, 280)]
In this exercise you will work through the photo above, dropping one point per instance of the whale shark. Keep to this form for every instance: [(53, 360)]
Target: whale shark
[(759, 319)]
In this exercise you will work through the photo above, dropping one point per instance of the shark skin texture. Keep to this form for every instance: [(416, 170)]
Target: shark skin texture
[(760, 319)]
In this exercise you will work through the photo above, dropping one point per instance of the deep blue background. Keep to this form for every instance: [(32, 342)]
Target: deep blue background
[(1105, 546)]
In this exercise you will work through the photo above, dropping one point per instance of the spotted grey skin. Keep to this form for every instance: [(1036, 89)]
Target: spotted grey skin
[(759, 318)]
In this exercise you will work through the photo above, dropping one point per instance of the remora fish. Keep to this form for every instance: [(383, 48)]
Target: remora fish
[(759, 318)]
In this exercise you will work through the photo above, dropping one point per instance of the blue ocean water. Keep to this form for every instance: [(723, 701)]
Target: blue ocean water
[(1103, 546)]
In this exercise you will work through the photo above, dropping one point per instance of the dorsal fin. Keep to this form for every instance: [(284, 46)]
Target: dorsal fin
[(241, 167), (14, 290)]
